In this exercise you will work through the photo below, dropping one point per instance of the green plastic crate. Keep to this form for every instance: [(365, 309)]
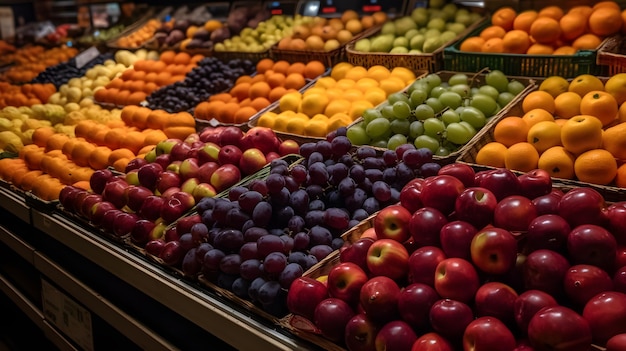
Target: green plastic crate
[(567, 66)]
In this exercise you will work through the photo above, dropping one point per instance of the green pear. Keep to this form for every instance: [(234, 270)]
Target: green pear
[(388, 28), (382, 43), (415, 52), (417, 42), (437, 23), (399, 50), (401, 42), (420, 16), (411, 33), (457, 28), (362, 45), (432, 33), (463, 16), (404, 24), (448, 36), (432, 44)]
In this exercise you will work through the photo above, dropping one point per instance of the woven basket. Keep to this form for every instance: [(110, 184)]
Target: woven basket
[(612, 55)]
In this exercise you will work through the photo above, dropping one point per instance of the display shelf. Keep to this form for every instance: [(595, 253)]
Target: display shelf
[(235, 327), (15, 204)]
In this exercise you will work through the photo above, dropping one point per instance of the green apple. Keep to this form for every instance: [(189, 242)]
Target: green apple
[(388, 28), (401, 42), (362, 45), (417, 42)]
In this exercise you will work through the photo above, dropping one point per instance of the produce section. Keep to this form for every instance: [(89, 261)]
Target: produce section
[(281, 176)]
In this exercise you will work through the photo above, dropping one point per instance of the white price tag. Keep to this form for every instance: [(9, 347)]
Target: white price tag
[(84, 57), (67, 315)]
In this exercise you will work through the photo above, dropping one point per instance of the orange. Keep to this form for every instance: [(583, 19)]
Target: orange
[(567, 105), (524, 20), (558, 162), (540, 49), (587, 41), (182, 58), (493, 45), (504, 17), (581, 133), (56, 141), (585, 83), (153, 136), (616, 86), (492, 154), (133, 140), (313, 69), (538, 99), (521, 157), (276, 79), (294, 81), (296, 67), (492, 32), (596, 166), (259, 103), (81, 152), (472, 44), (516, 42), (240, 91), (243, 79), (584, 10), (40, 135), (545, 30), (83, 184), (244, 114), (113, 136), (537, 115), (573, 25), (620, 178), (510, 130), (554, 12), (259, 89), (264, 65), (80, 174), (564, 50), (119, 153), (227, 112), (609, 4), (544, 135), (614, 141), (28, 179), (167, 56), (276, 93), (281, 66), (554, 85), (605, 21), (601, 105)]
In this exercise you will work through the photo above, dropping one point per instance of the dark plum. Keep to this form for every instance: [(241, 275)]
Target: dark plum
[(336, 218), (248, 251), (321, 251), (229, 240), (291, 272), (268, 244), (230, 264), (240, 287), (250, 269), (319, 235)]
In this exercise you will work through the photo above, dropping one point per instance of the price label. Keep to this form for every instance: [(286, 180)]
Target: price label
[(282, 7), (64, 313), (84, 57), (388, 6)]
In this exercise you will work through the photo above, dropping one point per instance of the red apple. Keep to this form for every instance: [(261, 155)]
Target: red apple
[(392, 222), (456, 279), (476, 206), (229, 154), (559, 328), (136, 195), (271, 156), (488, 333), (176, 205), (388, 258), (450, 318), (87, 204), (395, 336), (189, 185), (225, 176), (251, 161), (360, 334), (68, 195), (410, 195), (432, 342), (616, 343), (166, 162), (98, 210), (535, 183), (123, 223), (189, 168), (203, 190), (172, 253), (165, 146), (548, 231), (331, 316), (114, 192), (231, 135), (544, 270), (425, 226), (527, 304), (606, 314), (440, 192), (345, 281), (180, 151), (304, 295), (414, 303), (456, 239), (154, 247), (135, 164), (592, 244), (140, 234), (356, 252), (149, 174), (132, 177), (208, 153), (185, 224), (620, 257), (616, 214), (501, 182), (288, 146), (378, 298), (99, 179), (582, 206), (168, 179), (461, 171), (547, 204), (514, 213), (151, 207), (582, 282), (261, 138), (494, 250), (497, 300), (423, 264)]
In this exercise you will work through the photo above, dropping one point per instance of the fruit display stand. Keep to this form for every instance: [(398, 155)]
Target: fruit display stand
[(485, 136), (568, 66), (612, 56)]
